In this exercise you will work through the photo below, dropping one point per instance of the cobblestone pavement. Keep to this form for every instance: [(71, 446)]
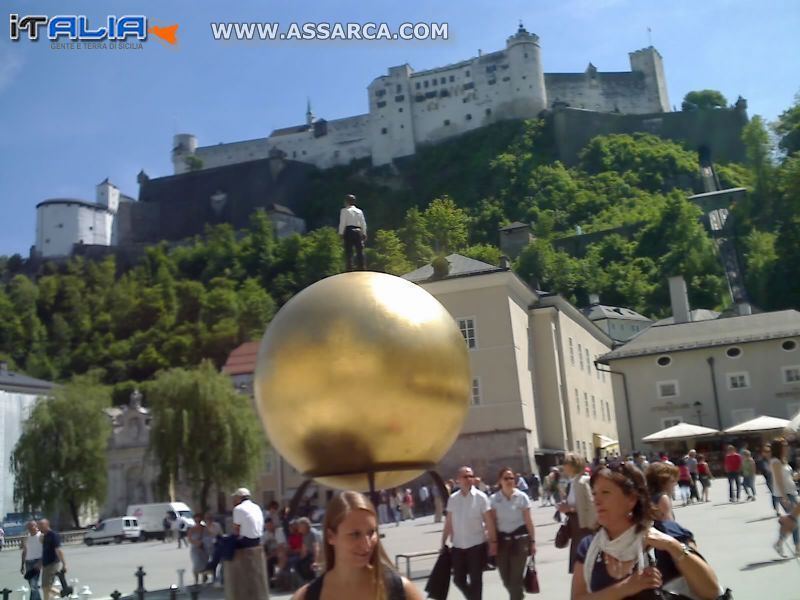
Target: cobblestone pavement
[(735, 538)]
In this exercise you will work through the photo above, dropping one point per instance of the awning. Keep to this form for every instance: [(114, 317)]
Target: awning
[(759, 424), (681, 431), (794, 424), (603, 441)]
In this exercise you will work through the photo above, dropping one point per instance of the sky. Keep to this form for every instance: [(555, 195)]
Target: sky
[(70, 118)]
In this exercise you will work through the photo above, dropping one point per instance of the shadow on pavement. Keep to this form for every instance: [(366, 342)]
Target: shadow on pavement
[(766, 563), (769, 518)]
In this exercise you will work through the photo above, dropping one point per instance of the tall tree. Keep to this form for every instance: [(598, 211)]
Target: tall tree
[(204, 432), (60, 459)]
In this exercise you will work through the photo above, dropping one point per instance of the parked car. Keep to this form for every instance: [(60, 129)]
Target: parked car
[(114, 530), (151, 517)]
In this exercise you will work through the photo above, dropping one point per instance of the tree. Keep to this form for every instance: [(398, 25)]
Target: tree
[(204, 433), (788, 127), (446, 225), (759, 150), (388, 254), (60, 459), (704, 99)]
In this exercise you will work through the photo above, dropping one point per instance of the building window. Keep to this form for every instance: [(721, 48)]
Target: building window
[(443, 80), (469, 117), (476, 391), (789, 345), (447, 121), (733, 352), (664, 361), (492, 82), (384, 131), (738, 381), (586, 403), (670, 422), (594, 408), (577, 401), (61, 226), (467, 327), (381, 104), (398, 89), (400, 109), (488, 111), (452, 78), (571, 352), (467, 73), (380, 93), (468, 86), (608, 411), (425, 83), (791, 374), (417, 86), (400, 98), (667, 389), (91, 227), (433, 82), (588, 362)]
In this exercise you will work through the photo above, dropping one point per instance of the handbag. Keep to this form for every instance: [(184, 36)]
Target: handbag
[(531, 577), (562, 535)]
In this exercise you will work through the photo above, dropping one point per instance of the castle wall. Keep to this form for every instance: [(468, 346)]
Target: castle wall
[(604, 92), (717, 130), (61, 224)]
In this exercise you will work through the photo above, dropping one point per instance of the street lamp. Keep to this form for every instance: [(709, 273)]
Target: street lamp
[(698, 407)]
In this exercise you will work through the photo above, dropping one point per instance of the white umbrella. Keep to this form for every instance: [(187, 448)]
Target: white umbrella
[(794, 424), (681, 431), (759, 424)]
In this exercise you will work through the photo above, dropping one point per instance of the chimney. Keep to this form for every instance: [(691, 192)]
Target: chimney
[(594, 299), (679, 299), (505, 263)]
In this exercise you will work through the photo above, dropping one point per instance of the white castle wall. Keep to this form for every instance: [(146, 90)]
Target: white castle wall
[(62, 223), (408, 108)]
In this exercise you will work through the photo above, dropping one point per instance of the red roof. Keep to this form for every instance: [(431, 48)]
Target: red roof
[(242, 361)]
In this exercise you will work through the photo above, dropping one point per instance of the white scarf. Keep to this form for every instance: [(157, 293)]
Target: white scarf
[(626, 547)]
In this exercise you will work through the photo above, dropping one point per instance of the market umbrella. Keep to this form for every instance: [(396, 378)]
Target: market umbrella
[(681, 431), (759, 424), (794, 424)]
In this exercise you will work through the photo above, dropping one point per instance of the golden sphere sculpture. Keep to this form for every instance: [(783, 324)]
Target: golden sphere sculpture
[(362, 372)]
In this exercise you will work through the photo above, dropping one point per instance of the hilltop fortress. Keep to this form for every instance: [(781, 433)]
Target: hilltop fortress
[(225, 183), (408, 108)]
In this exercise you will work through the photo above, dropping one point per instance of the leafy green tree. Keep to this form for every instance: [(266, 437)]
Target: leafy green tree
[(204, 433), (414, 235), (484, 253), (446, 225), (59, 460), (785, 283), (388, 254), (759, 151), (256, 309), (704, 99), (258, 247), (788, 127), (760, 258)]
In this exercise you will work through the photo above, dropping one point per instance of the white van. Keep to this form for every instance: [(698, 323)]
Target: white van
[(114, 530), (151, 517)]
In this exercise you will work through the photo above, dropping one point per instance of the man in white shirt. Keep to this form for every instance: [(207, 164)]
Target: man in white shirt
[(246, 574), (32, 559), (467, 522), (353, 229)]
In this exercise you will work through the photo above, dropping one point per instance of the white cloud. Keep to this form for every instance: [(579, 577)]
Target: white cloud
[(10, 66)]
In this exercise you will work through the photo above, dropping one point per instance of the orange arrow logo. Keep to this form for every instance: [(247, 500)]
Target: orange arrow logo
[(168, 34)]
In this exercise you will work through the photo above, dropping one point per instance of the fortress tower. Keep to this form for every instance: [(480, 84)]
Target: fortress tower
[(529, 97), (648, 62), (184, 145)]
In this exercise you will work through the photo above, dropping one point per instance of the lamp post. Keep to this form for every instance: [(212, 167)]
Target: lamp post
[(698, 407)]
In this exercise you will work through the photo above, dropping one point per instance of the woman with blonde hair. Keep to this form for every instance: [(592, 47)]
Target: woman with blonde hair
[(356, 565), (578, 504)]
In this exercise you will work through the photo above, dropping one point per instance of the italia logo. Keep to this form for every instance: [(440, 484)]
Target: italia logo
[(77, 28)]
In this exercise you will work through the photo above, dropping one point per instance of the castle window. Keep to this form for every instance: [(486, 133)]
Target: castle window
[(419, 97), (91, 227), (402, 126), (433, 82), (384, 131), (467, 73), (430, 94), (469, 117), (398, 89), (443, 93), (443, 80), (61, 226), (47, 241), (447, 121), (417, 85), (452, 78), (468, 86), (524, 76), (526, 55), (506, 78), (426, 83), (399, 98), (504, 67), (491, 68), (400, 109), (493, 81), (488, 111), (294, 154), (381, 104), (380, 93)]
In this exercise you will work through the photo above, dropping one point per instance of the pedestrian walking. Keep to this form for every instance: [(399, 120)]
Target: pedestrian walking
[(516, 539), (733, 471), (785, 490), (766, 470), (749, 475), (438, 504), (467, 523), (691, 463), (534, 485), (704, 474), (578, 504), (684, 481), (32, 559), (53, 561)]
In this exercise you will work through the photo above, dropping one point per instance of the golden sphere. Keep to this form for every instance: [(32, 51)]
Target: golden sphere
[(362, 372)]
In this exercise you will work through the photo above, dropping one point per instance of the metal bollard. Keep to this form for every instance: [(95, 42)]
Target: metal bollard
[(181, 573), (173, 592), (86, 593), (116, 595), (194, 592), (6, 593), (23, 592), (74, 594), (140, 591)]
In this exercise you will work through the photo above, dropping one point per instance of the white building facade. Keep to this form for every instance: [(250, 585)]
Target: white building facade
[(410, 108)]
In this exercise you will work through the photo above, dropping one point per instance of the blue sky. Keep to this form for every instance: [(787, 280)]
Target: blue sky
[(70, 118)]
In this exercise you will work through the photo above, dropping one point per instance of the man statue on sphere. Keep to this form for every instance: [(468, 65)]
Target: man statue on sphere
[(353, 229)]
